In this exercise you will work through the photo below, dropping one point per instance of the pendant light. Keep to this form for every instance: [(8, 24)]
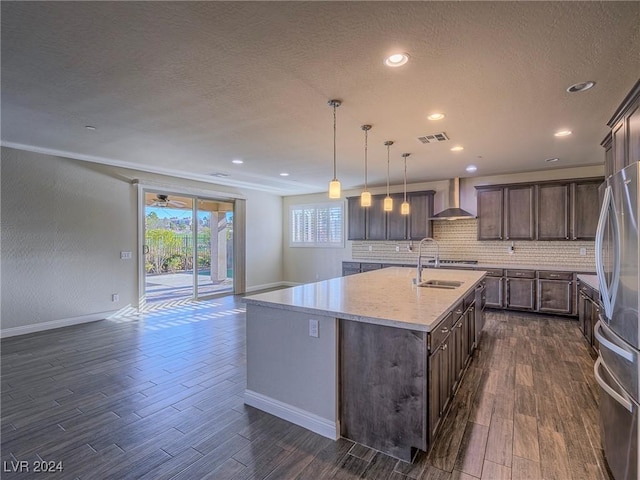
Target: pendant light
[(387, 206), (334, 185), (404, 208), (365, 196)]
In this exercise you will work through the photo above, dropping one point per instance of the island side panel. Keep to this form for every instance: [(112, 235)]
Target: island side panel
[(290, 374), (383, 387)]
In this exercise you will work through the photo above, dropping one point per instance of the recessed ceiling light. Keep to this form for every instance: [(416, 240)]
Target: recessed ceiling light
[(562, 133), (219, 174), (90, 127), (457, 148), (396, 60), (436, 116), (284, 174), (581, 87), (471, 168), (237, 161), (551, 160)]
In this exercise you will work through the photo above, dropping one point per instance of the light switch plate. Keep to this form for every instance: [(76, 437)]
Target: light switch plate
[(314, 328), (126, 255)]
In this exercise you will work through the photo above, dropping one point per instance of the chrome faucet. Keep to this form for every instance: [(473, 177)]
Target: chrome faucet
[(418, 278)]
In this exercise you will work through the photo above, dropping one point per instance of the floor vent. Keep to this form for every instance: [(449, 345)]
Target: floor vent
[(434, 138)]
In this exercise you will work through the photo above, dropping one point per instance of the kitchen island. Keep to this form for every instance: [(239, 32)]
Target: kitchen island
[(370, 357)]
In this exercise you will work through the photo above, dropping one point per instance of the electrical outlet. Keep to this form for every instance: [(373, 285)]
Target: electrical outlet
[(397, 248), (314, 328), (126, 255), (583, 251), (370, 248), (115, 297)]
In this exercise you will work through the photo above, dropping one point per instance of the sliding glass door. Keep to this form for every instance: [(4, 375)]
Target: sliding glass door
[(188, 247)]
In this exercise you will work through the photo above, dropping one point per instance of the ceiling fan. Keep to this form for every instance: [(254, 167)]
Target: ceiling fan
[(163, 201)]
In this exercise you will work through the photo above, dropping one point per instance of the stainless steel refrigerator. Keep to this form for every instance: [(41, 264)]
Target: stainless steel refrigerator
[(617, 369)]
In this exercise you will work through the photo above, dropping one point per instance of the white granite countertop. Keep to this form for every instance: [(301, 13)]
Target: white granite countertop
[(514, 266), (385, 297), (591, 280)]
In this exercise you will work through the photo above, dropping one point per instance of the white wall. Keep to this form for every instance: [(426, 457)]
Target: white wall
[(64, 222), (303, 265)]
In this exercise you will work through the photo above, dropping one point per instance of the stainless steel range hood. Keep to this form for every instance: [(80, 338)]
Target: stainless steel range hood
[(454, 212)]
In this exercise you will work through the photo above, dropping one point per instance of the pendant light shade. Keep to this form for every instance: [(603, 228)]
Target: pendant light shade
[(365, 196), (405, 208), (387, 206), (334, 185)]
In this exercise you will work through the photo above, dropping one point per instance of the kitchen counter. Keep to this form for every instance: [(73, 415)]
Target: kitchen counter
[(384, 297), (313, 349), (590, 280)]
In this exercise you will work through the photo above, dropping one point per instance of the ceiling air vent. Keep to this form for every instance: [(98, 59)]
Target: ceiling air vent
[(434, 138)]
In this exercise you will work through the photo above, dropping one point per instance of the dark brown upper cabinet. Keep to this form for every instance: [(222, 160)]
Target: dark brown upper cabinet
[(622, 144), (373, 223), (396, 222), (519, 212), (490, 213), (553, 211), (585, 209)]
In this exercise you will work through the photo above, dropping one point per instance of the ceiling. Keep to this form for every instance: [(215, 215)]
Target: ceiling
[(187, 87)]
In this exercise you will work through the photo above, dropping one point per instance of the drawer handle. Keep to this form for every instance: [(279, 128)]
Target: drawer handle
[(445, 330), (554, 275), (597, 331), (612, 393), (459, 312), (459, 325), (444, 346)]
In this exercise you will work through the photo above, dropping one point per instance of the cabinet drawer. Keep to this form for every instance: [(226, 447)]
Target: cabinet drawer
[(441, 332), (493, 272), (521, 273), (366, 267), (555, 275), (351, 265)]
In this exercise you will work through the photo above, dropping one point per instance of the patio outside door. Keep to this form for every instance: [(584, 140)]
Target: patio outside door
[(188, 245)]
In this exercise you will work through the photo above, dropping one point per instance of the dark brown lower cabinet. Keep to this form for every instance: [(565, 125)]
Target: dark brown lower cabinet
[(440, 384), (520, 293), (588, 313), (555, 296), (494, 289)]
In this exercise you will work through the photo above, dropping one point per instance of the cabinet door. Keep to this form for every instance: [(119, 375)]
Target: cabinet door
[(633, 133), (608, 157), (520, 293), (377, 219), (357, 219), (555, 296), (585, 210), (490, 214), (519, 213), (552, 217), (439, 386), (493, 292), (618, 134), (421, 210), (396, 222)]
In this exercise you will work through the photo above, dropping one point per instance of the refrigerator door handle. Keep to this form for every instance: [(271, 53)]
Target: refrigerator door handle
[(597, 331), (625, 402), (607, 292)]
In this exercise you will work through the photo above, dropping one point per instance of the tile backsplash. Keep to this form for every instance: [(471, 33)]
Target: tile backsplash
[(458, 240)]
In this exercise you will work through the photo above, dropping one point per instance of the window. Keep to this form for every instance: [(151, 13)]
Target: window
[(318, 225)]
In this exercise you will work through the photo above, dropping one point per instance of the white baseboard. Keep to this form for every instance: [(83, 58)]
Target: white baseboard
[(64, 322), (292, 414), (265, 286)]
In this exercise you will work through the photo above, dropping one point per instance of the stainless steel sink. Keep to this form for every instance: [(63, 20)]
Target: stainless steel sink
[(448, 284)]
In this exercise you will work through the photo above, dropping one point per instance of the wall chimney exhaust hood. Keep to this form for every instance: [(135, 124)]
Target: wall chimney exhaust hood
[(454, 212)]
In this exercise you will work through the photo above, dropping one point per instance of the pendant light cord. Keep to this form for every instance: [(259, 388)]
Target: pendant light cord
[(388, 169), (405, 178), (366, 135), (334, 142)]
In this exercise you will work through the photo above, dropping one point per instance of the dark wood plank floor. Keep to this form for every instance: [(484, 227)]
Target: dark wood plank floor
[(160, 396)]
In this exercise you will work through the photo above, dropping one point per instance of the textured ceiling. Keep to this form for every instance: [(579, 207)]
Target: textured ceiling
[(189, 86)]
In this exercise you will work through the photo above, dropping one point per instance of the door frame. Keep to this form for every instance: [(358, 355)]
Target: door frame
[(239, 232)]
